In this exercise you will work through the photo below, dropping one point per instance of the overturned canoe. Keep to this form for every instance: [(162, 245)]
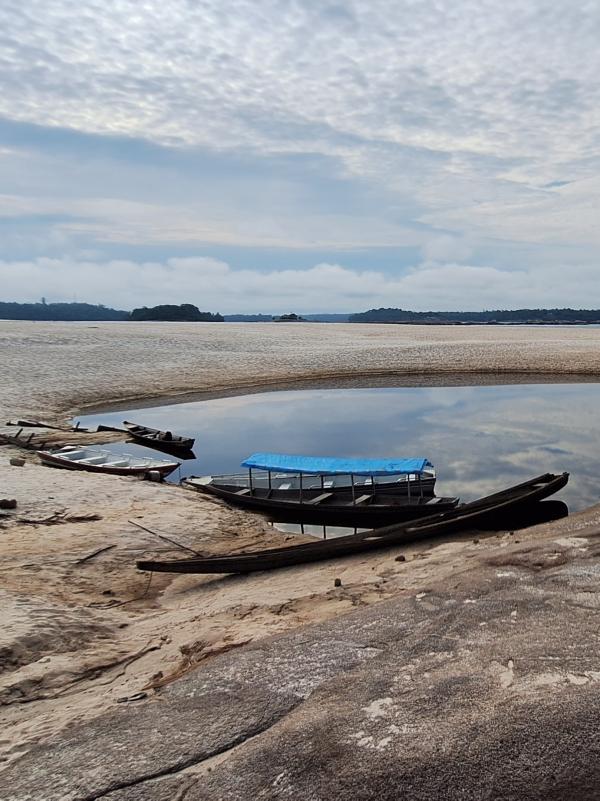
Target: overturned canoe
[(100, 460), (154, 438), (491, 511)]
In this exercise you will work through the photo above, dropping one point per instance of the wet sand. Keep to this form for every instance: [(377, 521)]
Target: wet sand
[(83, 630)]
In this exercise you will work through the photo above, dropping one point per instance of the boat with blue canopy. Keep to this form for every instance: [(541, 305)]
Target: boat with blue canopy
[(302, 489), (279, 471), (332, 465)]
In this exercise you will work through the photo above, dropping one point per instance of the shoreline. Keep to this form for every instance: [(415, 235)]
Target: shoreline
[(58, 369), (373, 380)]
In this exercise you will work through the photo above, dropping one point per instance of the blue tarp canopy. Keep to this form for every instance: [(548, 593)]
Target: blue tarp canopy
[(331, 466)]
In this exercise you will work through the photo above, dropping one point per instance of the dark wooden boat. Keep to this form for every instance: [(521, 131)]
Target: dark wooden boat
[(369, 509), (491, 512), (163, 440), (100, 460)]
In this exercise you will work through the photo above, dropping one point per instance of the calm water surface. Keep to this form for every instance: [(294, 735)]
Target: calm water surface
[(481, 439)]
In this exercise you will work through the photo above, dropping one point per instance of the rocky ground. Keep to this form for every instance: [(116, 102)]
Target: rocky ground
[(467, 671)]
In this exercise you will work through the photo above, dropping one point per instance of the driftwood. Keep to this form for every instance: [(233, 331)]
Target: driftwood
[(94, 553), (25, 442), (166, 539), (40, 424)]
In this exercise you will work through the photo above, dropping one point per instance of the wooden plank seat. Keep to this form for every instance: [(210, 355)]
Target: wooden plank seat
[(245, 491), (363, 498), (319, 498)]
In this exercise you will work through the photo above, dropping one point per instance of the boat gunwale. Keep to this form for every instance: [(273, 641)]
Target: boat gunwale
[(388, 535)]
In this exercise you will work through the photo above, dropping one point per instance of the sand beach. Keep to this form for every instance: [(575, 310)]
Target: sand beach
[(120, 685)]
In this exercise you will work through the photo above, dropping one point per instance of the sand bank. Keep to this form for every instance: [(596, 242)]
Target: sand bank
[(62, 368), (83, 630)]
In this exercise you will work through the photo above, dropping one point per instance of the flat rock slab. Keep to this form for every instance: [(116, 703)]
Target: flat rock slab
[(484, 689)]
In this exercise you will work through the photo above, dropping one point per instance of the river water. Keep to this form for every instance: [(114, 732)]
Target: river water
[(481, 439)]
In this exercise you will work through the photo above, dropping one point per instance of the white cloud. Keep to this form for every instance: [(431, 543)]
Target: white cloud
[(509, 80), (441, 126), (214, 286)]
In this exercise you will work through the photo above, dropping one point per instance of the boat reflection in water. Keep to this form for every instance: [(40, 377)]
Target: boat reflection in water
[(536, 514)]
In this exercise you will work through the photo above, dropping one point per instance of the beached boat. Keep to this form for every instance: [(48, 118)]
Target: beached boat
[(367, 510), (490, 512), (163, 440), (362, 507), (100, 460), (286, 473)]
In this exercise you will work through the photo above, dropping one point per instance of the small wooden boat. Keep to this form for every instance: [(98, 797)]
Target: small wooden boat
[(100, 460), (287, 475), (163, 440), (491, 512)]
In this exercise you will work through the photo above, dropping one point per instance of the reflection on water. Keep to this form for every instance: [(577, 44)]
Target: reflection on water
[(541, 512), (481, 439)]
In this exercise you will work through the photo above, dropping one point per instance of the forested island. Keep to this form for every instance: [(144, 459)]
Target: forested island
[(502, 316), (185, 313)]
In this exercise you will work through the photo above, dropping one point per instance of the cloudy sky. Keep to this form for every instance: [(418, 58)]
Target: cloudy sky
[(301, 155)]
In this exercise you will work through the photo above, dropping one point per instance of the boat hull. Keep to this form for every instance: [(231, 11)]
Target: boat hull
[(336, 509), (290, 485), (153, 438), (135, 470), (490, 512)]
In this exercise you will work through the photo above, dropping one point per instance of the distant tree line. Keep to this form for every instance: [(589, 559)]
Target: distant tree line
[(59, 311), (535, 316), (86, 311), (185, 313)]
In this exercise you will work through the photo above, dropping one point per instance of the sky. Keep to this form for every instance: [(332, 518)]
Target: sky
[(293, 155)]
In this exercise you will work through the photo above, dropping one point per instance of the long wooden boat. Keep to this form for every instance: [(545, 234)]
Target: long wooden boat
[(491, 511), (352, 508), (154, 438), (100, 460), (289, 474)]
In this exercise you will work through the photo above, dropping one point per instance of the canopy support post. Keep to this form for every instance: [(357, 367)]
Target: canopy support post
[(301, 493), (353, 488), (250, 480), (269, 474), (408, 485)]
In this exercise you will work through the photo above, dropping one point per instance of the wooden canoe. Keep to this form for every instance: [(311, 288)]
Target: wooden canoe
[(491, 511), (162, 440)]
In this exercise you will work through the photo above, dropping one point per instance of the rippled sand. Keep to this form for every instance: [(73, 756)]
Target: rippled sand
[(53, 368), (81, 631)]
